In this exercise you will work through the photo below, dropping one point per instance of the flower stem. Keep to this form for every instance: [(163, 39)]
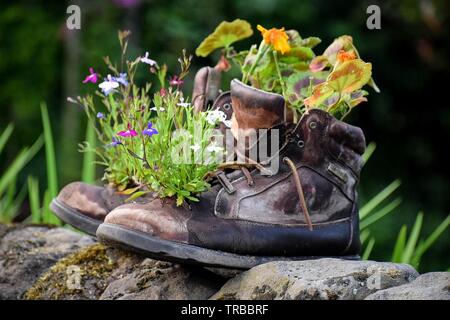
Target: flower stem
[(261, 51), (283, 84)]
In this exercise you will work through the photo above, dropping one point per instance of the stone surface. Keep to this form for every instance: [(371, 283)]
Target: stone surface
[(41, 262), (158, 280), (429, 286), (327, 279), (100, 272), (26, 251)]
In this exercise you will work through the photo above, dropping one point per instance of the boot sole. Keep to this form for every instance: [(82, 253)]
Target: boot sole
[(75, 218), (160, 249)]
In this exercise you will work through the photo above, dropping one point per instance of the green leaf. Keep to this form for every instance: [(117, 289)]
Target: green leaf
[(129, 191), (368, 249), (369, 151), (5, 136), (424, 246), (224, 35), (380, 214), (52, 177), (364, 235), (380, 197), (18, 164), (310, 42), (350, 76), (411, 244), (33, 193), (88, 170), (399, 246), (136, 195)]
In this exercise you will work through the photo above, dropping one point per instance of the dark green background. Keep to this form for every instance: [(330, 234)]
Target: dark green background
[(40, 60)]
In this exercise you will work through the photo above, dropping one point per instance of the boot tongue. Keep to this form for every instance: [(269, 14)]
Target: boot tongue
[(254, 109)]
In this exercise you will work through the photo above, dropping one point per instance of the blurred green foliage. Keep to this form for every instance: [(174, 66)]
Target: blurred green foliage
[(40, 60)]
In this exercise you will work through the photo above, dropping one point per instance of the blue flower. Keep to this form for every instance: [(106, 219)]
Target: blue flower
[(115, 142), (122, 79), (150, 131), (100, 115)]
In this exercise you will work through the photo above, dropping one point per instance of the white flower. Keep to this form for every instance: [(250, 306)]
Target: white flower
[(108, 85), (148, 61), (195, 147), (214, 148), (183, 104), (214, 116), (161, 109)]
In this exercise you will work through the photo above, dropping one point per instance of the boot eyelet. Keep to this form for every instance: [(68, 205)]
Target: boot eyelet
[(313, 125), (226, 106), (301, 143)]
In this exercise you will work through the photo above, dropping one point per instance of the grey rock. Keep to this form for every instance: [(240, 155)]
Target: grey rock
[(324, 279), (158, 280), (26, 251), (428, 286)]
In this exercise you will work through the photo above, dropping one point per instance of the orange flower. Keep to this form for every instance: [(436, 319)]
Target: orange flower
[(277, 38), (343, 56)]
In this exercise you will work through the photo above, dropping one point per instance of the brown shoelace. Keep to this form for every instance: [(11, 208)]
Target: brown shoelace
[(300, 192)]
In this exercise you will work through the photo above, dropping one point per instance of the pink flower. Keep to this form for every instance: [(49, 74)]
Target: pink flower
[(129, 133), (92, 77), (175, 81)]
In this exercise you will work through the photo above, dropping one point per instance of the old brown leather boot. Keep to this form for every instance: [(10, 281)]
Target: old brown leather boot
[(85, 206), (307, 209)]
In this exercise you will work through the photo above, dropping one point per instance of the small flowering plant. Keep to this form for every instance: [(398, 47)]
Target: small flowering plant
[(285, 63), (150, 141)]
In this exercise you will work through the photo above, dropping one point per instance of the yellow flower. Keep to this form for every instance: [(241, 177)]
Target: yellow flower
[(277, 38)]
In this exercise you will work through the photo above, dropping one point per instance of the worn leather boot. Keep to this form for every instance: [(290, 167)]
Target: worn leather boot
[(85, 206), (308, 209)]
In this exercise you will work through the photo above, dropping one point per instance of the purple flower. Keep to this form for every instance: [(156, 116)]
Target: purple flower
[(92, 77), (100, 115), (115, 142), (122, 79), (108, 85), (150, 131)]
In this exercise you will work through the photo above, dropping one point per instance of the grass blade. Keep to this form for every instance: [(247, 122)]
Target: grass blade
[(369, 151), (52, 178), (364, 235), (88, 171), (380, 197), (368, 249), (421, 249), (5, 136), (368, 220), (33, 193), (412, 241), (399, 245)]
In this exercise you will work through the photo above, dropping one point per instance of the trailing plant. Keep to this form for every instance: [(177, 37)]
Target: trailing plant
[(285, 63), (150, 141)]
